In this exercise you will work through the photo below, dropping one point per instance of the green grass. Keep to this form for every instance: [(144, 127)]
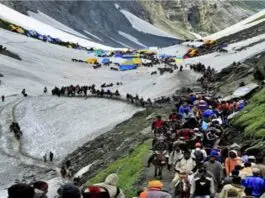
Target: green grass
[(128, 168), (252, 118), (257, 19)]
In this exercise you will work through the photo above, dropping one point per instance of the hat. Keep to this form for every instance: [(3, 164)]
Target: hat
[(155, 184), (214, 153), (70, 191), (196, 129)]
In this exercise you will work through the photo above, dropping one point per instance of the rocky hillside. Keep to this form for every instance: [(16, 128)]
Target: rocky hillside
[(103, 21), (202, 16)]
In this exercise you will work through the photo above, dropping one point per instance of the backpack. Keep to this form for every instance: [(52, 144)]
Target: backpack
[(98, 192), (198, 155)]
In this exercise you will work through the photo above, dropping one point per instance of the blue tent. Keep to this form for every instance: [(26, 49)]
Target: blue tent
[(118, 55), (31, 33), (49, 39), (105, 61), (127, 67)]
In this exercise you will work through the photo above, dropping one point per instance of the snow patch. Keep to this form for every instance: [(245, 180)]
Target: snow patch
[(131, 38), (94, 36), (117, 6), (61, 125), (143, 26), (48, 20), (82, 171)]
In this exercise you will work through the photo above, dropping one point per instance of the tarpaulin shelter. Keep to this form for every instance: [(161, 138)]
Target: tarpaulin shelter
[(127, 67), (31, 33), (105, 61), (99, 52), (179, 60), (118, 55), (17, 29), (92, 60)]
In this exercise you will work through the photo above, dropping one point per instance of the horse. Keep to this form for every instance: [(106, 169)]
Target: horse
[(182, 188), (159, 162)]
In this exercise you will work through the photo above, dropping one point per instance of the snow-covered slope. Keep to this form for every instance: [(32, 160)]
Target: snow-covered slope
[(29, 23), (50, 123), (99, 21), (242, 25), (144, 26)]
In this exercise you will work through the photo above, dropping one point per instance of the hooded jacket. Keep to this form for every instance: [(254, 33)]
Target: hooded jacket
[(110, 184), (230, 163)]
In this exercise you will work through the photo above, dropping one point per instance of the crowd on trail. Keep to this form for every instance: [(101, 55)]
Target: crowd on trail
[(191, 144), (84, 90)]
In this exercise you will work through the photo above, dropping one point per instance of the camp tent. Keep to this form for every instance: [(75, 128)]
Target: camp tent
[(17, 29), (92, 60), (99, 52), (118, 55), (127, 67), (105, 61)]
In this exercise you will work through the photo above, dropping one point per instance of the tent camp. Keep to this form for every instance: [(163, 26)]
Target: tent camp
[(127, 67), (99, 52), (92, 60), (105, 61)]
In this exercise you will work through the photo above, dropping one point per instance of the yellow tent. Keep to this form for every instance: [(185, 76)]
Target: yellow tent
[(17, 29), (136, 61), (92, 60)]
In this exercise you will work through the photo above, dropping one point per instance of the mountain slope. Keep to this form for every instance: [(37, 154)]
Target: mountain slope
[(102, 21)]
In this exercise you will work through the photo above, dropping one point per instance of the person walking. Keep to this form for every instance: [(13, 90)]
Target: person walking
[(154, 190), (3, 98), (51, 155)]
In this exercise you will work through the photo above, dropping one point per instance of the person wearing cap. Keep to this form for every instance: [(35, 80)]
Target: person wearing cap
[(198, 152), (255, 185), (185, 164), (215, 167), (21, 191), (110, 184), (235, 189), (154, 190)]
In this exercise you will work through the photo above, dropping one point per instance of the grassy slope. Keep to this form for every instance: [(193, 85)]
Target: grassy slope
[(128, 168), (252, 118)]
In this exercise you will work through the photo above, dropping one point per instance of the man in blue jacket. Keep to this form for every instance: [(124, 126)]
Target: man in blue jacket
[(255, 185)]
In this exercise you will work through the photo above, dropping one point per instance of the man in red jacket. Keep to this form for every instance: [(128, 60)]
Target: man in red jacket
[(158, 125)]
